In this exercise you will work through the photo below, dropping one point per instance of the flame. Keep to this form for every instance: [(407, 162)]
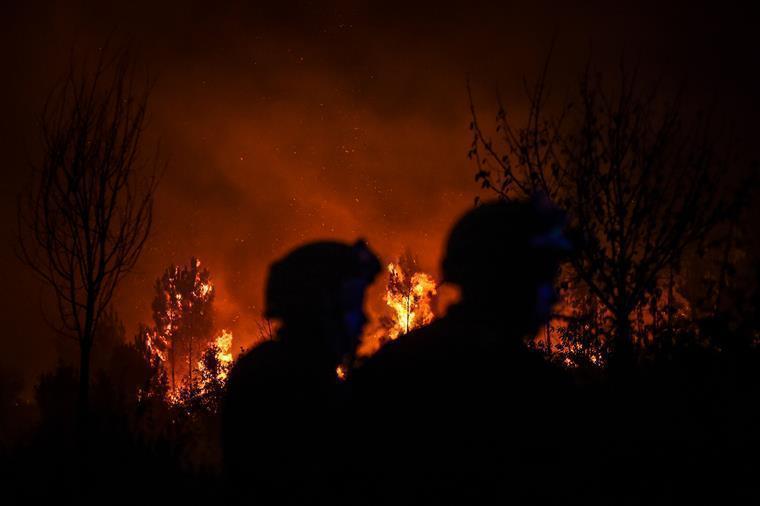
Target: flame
[(223, 343), (221, 347), (580, 327), (156, 344), (340, 372), (410, 298), (205, 288)]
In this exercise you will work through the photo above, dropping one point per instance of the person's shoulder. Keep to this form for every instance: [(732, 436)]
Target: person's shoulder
[(263, 352), (264, 359), (411, 346), (545, 371), (423, 339), (400, 360)]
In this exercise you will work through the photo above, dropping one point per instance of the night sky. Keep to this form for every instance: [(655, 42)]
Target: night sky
[(288, 123)]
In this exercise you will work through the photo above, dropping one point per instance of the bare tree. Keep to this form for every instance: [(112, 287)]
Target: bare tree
[(638, 182), (86, 217)]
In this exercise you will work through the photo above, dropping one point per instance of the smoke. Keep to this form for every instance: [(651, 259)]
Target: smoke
[(283, 125)]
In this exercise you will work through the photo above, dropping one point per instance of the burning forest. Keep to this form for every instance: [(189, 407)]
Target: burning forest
[(409, 299), (184, 342), (409, 295), (193, 357), (424, 280)]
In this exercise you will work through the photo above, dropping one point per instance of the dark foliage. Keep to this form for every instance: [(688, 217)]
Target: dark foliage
[(638, 175)]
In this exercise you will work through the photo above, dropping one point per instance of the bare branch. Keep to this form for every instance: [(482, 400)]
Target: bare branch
[(85, 219)]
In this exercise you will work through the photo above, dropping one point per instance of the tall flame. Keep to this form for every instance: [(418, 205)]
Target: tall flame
[(410, 298), (223, 343)]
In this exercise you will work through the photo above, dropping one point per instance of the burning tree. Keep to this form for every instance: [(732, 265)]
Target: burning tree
[(184, 342), (213, 368), (85, 220), (183, 314), (637, 180), (409, 294), (155, 385)]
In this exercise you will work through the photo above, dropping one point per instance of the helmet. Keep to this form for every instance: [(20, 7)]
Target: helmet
[(313, 271), (518, 241)]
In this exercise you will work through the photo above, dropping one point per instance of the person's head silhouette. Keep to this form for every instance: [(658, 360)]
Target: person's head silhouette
[(504, 256), (317, 293)]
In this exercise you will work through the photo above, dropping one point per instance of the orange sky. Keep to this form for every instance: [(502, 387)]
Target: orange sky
[(284, 124)]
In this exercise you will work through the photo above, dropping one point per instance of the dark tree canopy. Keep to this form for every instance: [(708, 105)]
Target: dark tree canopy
[(637, 176)]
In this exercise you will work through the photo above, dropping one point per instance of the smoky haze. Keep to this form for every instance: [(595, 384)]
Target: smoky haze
[(282, 125)]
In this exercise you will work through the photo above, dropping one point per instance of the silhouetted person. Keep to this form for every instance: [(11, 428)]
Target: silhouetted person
[(284, 430), (462, 410)]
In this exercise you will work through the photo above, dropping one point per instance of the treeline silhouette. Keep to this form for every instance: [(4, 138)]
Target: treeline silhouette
[(465, 410)]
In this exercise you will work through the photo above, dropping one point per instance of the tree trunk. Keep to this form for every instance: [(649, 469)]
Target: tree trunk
[(82, 434), (622, 357), (724, 267), (671, 306), (84, 382), (172, 361), (669, 336), (190, 362)]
